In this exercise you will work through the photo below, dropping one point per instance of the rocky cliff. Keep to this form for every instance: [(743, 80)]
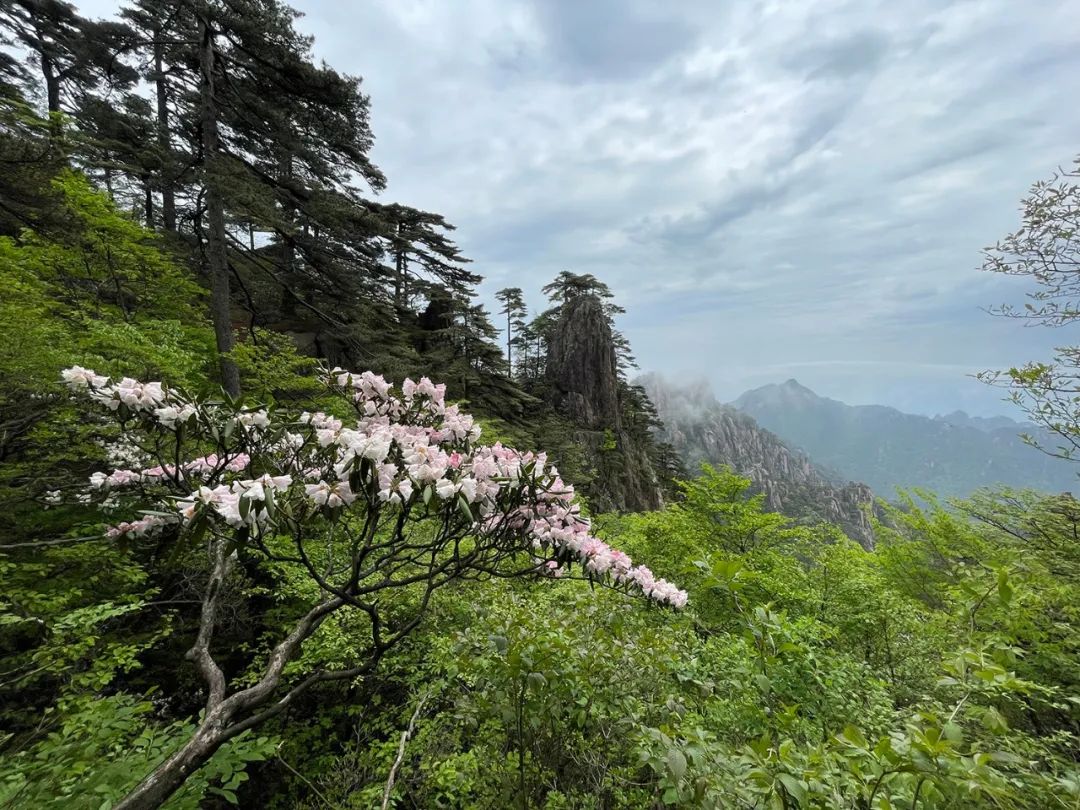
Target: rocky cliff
[(701, 429), (583, 386), (582, 374)]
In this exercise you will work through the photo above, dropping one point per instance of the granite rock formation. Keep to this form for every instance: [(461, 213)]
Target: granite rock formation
[(583, 386)]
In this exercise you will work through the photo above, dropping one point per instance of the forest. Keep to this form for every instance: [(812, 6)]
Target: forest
[(288, 519)]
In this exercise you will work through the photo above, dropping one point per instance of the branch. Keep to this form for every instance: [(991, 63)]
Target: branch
[(405, 735), (62, 541), (200, 650)]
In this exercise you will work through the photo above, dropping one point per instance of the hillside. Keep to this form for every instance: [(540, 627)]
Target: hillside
[(703, 430), (952, 455)]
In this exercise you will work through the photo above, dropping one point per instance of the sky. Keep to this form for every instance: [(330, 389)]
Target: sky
[(772, 189)]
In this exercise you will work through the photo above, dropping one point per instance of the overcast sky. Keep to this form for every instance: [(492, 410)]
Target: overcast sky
[(773, 189)]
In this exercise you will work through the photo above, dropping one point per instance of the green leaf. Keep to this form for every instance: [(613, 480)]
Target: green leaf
[(676, 763), (795, 788), (853, 736), (994, 721), (1005, 591), (953, 733), (464, 508)]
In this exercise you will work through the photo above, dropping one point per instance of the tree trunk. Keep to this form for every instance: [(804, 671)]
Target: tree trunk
[(168, 194), (148, 202), (52, 95), (52, 84), (288, 246), (401, 267), (223, 719), (216, 257), (168, 777)]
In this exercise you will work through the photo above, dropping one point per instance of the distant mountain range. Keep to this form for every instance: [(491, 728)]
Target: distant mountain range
[(951, 455), (701, 429)]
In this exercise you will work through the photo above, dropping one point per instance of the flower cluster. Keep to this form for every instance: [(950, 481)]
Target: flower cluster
[(242, 503), (204, 465), (407, 452)]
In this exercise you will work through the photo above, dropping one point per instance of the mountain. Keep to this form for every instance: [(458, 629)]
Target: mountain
[(988, 424), (701, 429), (951, 455), (583, 385)]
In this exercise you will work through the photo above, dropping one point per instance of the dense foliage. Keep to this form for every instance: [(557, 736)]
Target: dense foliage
[(939, 670)]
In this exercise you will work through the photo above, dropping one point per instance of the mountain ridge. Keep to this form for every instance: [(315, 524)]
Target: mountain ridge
[(952, 454), (702, 429)]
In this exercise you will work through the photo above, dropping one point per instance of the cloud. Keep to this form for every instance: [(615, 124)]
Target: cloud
[(763, 184), (854, 53), (610, 39)]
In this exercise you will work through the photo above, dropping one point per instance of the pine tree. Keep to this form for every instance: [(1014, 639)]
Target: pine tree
[(278, 142), (515, 311), (568, 285), (419, 247), (164, 33), (73, 55), (27, 164), (13, 75), (256, 157), (211, 158)]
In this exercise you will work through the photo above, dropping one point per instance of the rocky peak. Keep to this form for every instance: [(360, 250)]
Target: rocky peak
[(793, 389), (789, 394), (581, 368), (583, 386), (701, 429)]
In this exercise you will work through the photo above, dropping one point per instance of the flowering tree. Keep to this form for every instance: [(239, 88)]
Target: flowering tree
[(400, 495), (1046, 249)]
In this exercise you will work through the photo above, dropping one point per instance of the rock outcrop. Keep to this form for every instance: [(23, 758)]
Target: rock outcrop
[(582, 371), (583, 386), (701, 429)]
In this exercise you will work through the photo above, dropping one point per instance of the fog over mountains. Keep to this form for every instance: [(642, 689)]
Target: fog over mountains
[(952, 455), (703, 430)]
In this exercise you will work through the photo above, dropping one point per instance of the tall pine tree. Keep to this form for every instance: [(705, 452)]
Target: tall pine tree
[(516, 312)]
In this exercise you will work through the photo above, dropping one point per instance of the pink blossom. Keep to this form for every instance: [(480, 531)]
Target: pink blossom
[(395, 446), (140, 527), (238, 462), (330, 495), (79, 378)]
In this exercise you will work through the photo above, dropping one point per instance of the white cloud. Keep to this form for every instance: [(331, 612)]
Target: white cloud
[(764, 186)]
